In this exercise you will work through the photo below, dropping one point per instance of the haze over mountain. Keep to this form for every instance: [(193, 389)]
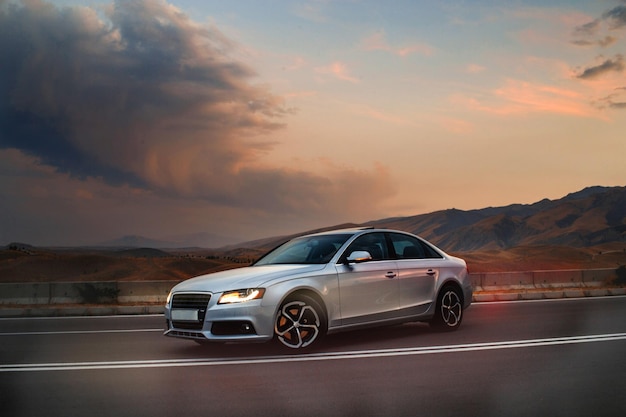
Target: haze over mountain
[(583, 230), (205, 240), (592, 216)]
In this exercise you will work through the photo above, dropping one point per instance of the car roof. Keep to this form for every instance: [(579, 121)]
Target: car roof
[(347, 231), (354, 231)]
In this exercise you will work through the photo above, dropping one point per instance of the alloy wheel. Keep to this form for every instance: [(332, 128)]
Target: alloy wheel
[(297, 325), (451, 308)]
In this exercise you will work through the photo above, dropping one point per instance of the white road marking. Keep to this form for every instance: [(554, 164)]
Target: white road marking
[(113, 316), (547, 300), (379, 353), (79, 332)]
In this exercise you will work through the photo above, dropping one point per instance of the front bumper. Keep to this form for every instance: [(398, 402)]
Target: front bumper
[(243, 322)]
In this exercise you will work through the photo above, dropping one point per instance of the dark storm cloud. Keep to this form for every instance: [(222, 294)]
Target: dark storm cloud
[(138, 93), (80, 88), (609, 65)]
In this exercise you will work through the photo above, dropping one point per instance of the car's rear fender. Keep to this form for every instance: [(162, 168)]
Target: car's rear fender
[(464, 289)]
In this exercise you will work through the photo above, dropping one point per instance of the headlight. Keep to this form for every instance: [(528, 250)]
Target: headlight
[(169, 298), (240, 296)]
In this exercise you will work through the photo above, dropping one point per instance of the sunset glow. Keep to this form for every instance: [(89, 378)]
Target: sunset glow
[(250, 119)]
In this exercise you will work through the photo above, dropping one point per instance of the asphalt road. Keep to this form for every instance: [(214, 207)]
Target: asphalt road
[(543, 358)]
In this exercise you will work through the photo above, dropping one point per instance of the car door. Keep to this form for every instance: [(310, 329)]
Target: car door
[(418, 270), (368, 291)]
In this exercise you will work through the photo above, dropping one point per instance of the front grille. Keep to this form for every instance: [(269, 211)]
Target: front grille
[(197, 302), (191, 301)]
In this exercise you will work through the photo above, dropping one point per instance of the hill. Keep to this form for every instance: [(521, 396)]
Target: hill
[(583, 230), (591, 217), (80, 265)]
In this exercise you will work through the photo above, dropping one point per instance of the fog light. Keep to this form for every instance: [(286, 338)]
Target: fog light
[(231, 328)]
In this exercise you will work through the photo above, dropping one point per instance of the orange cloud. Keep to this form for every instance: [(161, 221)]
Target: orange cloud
[(338, 70), (523, 97)]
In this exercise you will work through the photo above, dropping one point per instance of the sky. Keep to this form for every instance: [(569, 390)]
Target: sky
[(249, 119)]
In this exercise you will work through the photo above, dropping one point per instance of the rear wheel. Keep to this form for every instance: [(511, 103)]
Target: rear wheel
[(300, 322), (449, 310)]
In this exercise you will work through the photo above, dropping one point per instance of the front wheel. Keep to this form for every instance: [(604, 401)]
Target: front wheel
[(449, 310), (300, 322)]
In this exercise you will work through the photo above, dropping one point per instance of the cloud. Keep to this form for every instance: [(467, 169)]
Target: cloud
[(518, 97), (338, 70), (613, 19), (588, 29), (615, 100), (604, 42), (136, 94), (92, 97), (608, 65), (378, 42), (616, 17)]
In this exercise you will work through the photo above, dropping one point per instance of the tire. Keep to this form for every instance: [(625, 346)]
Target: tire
[(449, 309), (300, 322)]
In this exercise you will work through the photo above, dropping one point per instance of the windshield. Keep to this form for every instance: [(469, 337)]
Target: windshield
[(305, 250)]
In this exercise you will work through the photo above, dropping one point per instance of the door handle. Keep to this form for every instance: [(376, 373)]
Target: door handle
[(390, 274), (431, 272)]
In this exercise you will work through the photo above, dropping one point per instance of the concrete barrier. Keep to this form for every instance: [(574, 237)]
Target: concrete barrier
[(155, 292), (548, 279), (108, 292)]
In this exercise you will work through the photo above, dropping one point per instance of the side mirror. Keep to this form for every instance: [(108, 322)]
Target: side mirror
[(359, 256)]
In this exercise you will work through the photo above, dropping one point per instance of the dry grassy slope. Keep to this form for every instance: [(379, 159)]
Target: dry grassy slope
[(536, 258), (49, 266), (44, 266), (583, 230), (52, 266)]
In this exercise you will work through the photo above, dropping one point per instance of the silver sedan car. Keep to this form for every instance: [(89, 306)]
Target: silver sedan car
[(323, 283)]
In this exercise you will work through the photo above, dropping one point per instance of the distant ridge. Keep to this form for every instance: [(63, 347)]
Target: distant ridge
[(583, 230), (593, 216), (203, 240), (134, 241), (590, 217)]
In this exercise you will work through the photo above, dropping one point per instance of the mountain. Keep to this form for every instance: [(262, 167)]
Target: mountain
[(134, 241), (590, 217), (201, 240), (583, 230)]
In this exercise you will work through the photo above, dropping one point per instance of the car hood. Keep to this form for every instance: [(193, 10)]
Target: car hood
[(241, 278)]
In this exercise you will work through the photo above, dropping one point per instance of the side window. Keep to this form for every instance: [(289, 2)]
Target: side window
[(407, 247), (429, 252), (374, 243)]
